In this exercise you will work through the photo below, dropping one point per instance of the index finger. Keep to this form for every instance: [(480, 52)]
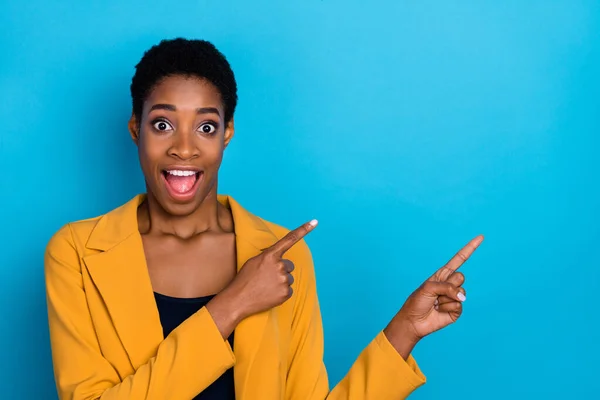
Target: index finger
[(293, 237), (459, 259)]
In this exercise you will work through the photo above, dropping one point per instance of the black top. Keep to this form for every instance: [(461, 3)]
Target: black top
[(173, 311)]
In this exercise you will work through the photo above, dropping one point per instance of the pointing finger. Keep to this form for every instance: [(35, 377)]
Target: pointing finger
[(459, 258), (293, 237)]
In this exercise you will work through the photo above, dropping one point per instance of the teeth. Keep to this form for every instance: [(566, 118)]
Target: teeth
[(178, 172)]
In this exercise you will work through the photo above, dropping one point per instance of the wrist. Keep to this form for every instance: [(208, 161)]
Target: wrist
[(402, 336), (232, 305), (225, 312)]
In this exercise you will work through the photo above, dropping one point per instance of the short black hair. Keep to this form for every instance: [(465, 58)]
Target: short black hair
[(188, 57)]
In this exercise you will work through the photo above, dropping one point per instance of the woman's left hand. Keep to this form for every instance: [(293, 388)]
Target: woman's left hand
[(436, 304)]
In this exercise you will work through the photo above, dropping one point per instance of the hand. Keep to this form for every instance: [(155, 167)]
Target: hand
[(434, 305), (265, 281)]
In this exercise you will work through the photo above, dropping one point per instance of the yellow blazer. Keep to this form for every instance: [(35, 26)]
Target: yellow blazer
[(107, 340)]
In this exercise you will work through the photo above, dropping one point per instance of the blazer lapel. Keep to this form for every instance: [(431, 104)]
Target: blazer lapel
[(120, 274)]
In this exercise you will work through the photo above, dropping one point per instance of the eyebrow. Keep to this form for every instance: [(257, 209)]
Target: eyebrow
[(171, 107)]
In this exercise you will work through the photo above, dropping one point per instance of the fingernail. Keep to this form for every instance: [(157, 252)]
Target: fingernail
[(313, 223), (461, 296)]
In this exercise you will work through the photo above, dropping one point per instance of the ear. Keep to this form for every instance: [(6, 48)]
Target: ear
[(229, 132), (134, 128)]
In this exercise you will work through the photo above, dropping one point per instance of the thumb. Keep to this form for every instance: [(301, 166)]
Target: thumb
[(436, 289)]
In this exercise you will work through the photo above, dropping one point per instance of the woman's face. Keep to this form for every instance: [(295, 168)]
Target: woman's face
[(181, 137)]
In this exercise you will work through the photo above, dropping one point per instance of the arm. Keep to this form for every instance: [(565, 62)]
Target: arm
[(379, 373), (182, 367)]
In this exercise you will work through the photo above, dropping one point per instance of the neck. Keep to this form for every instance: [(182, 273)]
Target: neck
[(209, 216)]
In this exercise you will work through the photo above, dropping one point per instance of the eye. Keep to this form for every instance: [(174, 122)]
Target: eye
[(207, 128), (162, 125)]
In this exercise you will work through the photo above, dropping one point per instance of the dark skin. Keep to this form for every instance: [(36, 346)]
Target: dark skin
[(182, 126)]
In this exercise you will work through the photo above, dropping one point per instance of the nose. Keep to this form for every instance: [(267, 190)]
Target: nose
[(183, 146)]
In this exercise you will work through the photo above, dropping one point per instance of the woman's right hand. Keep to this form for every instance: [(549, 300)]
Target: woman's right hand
[(262, 283)]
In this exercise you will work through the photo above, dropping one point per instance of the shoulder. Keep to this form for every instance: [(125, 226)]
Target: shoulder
[(66, 248), (74, 231), (75, 235), (72, 235)]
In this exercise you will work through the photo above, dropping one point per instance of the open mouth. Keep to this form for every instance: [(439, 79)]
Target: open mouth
[(181, 182)]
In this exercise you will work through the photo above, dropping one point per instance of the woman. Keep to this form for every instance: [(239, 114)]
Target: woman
[(181, 293)]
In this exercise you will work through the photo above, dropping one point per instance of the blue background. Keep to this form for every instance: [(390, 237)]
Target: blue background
[(406, 128)]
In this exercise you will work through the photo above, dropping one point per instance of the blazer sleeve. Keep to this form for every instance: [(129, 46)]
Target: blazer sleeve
[(182, 367), (379, 372)]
